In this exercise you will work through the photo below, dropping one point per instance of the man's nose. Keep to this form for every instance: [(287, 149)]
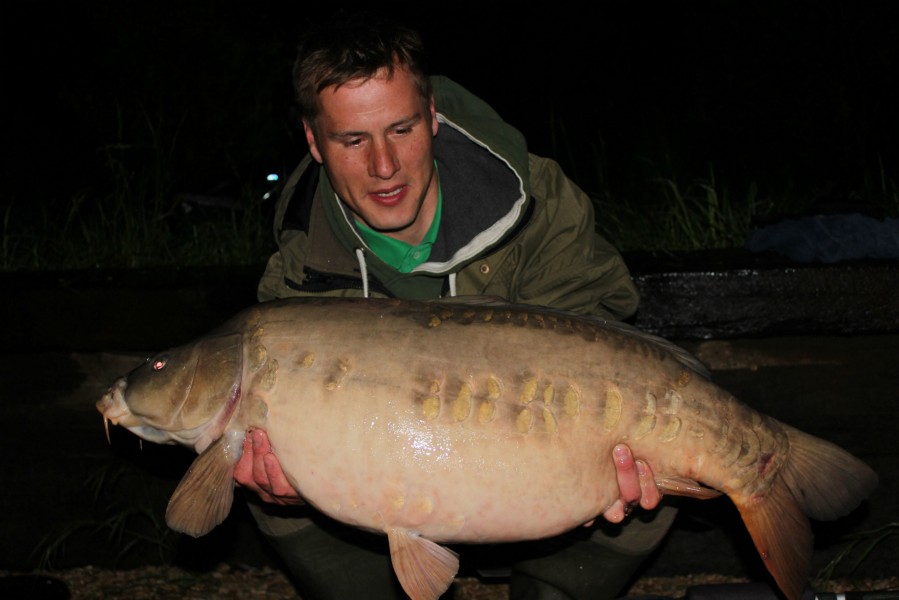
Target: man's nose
[(382, 162)]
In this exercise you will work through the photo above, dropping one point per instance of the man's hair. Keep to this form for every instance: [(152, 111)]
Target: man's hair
[(350, 46)]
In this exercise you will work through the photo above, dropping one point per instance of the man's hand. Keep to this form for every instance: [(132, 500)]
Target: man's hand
[(635, 483), (259, 470)]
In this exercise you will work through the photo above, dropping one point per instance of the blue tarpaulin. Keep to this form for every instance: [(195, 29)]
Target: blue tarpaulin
[(828, 238)]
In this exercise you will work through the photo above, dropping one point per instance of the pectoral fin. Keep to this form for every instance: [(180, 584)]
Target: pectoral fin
[(681, 486), (425, 569), (203, 498)]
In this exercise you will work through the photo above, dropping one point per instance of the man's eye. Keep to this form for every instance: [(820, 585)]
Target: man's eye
[(402, 130), (353, 142)]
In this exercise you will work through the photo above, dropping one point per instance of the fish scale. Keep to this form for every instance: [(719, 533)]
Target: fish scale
[(472, 421)]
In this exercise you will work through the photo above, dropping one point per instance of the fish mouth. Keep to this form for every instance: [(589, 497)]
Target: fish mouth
[(115, 410), (113, 407)]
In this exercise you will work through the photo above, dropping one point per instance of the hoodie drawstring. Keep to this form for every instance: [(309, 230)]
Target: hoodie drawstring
[(360, 256), (363, 269)]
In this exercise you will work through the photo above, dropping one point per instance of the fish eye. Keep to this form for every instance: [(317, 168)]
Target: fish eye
[(159, 363)]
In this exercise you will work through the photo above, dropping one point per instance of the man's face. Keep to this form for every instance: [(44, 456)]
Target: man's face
[(375, 140)]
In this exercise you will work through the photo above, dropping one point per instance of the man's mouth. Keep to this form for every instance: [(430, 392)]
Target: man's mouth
[(389, 197)]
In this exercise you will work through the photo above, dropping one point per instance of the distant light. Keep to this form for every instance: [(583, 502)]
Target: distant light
[(272, 177)]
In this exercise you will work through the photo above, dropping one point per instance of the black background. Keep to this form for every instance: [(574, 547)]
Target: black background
[(791, 94)]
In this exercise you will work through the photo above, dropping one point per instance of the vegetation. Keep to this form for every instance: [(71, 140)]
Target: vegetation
[(130, 519), (687, 215), (858, 547), (118, 231), (706, 121), (141, 222)]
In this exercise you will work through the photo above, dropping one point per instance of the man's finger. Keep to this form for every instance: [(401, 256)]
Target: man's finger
[(627, 474), (243, 470), (279, 486), (260, 476), (649, 492), (615, 513)]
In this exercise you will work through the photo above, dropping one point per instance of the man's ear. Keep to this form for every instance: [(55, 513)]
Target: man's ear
[(433, 110), (310, 139)]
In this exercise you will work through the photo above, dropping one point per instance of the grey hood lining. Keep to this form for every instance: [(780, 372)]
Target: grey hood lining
[(484, 198)]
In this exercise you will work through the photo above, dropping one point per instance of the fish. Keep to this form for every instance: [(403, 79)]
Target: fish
[(473, 421)]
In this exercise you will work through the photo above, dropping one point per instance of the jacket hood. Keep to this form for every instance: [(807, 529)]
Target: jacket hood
[(462, 110), (483, 168)]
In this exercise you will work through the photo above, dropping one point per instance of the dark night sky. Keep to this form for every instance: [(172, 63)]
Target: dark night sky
[(760, 90)]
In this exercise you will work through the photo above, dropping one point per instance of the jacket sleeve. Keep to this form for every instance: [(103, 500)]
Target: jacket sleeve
[(271, 284), (310, 259), (563, 262), (287, 261)]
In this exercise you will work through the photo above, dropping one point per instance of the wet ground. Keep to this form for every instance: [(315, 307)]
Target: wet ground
[(69, 496)]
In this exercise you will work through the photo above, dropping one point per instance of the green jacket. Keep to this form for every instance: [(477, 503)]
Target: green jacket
[(513, 225)]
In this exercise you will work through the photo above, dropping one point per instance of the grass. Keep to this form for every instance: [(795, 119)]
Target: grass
[(656, 203), (115, 233), (141, 221), (138, 221), (128, 521), (137, 225), (690, 215), (698, 215), (664, 209), (858, 547)]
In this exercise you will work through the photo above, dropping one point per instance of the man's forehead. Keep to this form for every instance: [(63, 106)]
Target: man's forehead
[(383, 96)]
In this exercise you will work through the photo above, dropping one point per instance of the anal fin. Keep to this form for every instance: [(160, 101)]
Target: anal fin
[(425, 569)]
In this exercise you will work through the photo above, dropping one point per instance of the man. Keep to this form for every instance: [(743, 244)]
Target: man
[(415, 188)]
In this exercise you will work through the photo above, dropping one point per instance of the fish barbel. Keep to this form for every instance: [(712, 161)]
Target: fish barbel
[(473, 422)]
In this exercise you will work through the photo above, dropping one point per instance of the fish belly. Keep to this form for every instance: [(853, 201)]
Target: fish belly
[(466, 432)]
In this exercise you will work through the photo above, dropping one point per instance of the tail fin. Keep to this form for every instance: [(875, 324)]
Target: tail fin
[(827, 481), (819, 480)]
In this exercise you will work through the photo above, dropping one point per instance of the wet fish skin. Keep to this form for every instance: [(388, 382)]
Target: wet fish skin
[(473, 422)]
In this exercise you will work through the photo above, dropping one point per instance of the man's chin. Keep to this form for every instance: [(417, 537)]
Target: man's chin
[(387, 228)]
